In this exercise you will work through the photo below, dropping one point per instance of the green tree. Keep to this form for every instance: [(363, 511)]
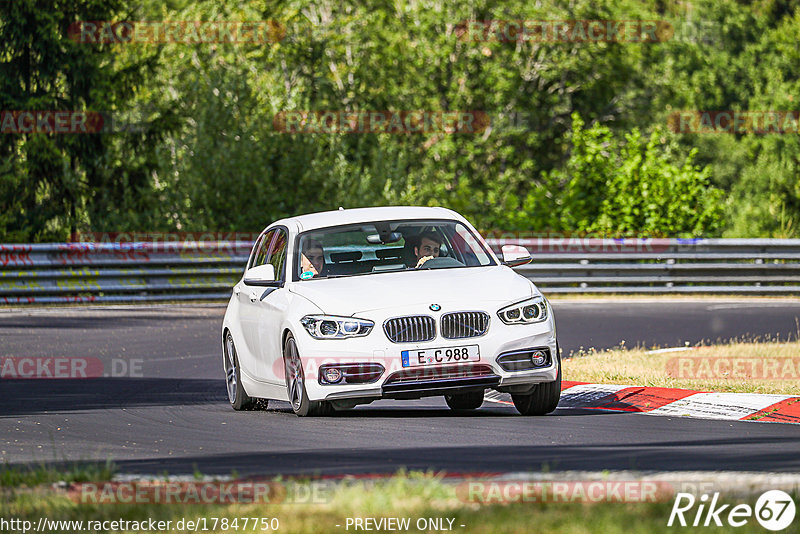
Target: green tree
[(208, 156), (51, 184), (634, 186)]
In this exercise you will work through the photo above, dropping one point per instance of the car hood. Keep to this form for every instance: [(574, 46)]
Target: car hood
[(466, 286)]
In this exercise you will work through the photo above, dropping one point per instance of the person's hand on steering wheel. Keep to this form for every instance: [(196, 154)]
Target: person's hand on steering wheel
[(422, 261)]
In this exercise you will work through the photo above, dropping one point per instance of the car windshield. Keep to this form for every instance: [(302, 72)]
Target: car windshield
[(388, 246)]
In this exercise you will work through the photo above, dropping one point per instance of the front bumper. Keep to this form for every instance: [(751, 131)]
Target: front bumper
[(376, 348), (446, 386)]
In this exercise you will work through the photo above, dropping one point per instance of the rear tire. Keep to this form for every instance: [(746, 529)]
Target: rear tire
[(465, 401), (296, 384), (237, 396), (544, 397)]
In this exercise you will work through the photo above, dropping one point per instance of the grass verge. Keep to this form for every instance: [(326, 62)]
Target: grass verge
[(734, 367), (14, 476), (415, 496)]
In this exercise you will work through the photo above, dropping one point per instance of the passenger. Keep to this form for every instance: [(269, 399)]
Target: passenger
[(312, 259), (428, 248)]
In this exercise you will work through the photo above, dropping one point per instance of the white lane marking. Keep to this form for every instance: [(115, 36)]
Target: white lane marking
[(670, 349), (494, 396), (725, 406), (719, 405), (788, 304)]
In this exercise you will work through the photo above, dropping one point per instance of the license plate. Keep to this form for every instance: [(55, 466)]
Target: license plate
[(468, 353)]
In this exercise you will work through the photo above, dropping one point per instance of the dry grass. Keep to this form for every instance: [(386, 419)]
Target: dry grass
[(735, 367)]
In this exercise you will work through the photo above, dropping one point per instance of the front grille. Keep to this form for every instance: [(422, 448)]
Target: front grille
[(424, 374), (458, 325), (410, 329)]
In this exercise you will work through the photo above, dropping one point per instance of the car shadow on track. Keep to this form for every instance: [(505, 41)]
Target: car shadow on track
[(401, 411), (767, 453), (398, 413), (21, 397)]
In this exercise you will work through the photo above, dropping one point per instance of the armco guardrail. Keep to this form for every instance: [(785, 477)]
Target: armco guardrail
[(124, 272), (120, 272), (592, 265)]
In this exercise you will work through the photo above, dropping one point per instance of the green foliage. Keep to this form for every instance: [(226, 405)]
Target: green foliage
[(206, 155), (51, 183), (630, 186)]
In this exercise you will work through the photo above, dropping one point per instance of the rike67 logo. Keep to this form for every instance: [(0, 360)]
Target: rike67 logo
[(774, 510)]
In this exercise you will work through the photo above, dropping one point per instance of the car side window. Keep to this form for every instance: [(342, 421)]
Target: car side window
[(276, 254), (262, 248)]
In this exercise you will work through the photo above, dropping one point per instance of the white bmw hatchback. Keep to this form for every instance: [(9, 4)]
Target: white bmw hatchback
[(342, 308)]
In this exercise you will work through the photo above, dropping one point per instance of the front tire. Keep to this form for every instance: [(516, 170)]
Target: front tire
[(295, 384), (465, 401), (544, 397), (237, 396)]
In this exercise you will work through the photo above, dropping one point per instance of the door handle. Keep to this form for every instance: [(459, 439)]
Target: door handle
[(237, 290), (254, 296)]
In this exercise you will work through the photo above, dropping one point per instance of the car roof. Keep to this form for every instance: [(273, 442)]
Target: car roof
[(324, 219)]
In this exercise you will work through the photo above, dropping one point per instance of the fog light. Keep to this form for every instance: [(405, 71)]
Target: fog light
[(332, 375), (538, 358)]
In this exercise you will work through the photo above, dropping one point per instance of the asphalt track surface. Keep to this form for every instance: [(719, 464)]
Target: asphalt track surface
[(175, 417)]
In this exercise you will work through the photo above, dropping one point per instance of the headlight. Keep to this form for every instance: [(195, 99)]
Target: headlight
[(333, 327), (529, 311)]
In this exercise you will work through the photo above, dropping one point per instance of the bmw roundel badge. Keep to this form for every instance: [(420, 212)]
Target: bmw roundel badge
[(435, 307)]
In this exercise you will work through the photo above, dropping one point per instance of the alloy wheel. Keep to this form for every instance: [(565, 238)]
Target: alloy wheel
[(230, 368), (294, 376)]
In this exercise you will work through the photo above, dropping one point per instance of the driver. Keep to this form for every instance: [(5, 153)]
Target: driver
[(428, 248), (313, 257)]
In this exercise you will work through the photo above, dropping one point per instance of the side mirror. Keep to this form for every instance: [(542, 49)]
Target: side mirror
[(262, 275), (515, 255)]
